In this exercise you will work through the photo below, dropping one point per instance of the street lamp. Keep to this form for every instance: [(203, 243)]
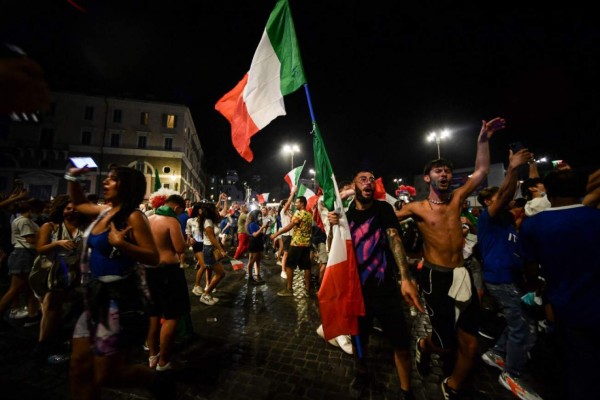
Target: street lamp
[(314, 179), (397, 180), (291, 149), (437, 137)]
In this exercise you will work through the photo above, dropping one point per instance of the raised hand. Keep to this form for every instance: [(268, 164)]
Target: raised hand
[(489, 127)]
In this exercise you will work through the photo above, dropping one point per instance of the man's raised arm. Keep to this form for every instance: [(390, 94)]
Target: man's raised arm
[(482, 161)]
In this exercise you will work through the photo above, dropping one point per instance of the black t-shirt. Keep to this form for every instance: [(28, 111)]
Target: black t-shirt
[(376, 266)]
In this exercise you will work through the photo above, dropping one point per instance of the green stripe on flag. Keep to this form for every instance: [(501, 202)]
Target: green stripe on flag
[(282, 35), (323, 168)]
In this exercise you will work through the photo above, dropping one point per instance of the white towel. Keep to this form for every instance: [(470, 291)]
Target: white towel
[(461, 285)]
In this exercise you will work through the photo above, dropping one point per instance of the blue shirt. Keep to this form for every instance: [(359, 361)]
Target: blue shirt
[(497, 239), (564, 241)]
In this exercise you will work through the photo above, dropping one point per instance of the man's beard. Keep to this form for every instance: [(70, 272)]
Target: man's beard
[(436, 187), (361, 199)]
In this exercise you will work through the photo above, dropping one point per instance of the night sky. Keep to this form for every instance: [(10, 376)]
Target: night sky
[(382, 74)]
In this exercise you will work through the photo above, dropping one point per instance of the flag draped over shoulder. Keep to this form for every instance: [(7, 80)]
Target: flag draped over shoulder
[(263, 198), (293, 176), (276, 71), (340, 295)]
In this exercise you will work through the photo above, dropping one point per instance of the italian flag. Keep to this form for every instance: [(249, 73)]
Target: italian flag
[(340, 295), (262, 198), (276, 71), (381, 194), (293, 176), (311, 197)]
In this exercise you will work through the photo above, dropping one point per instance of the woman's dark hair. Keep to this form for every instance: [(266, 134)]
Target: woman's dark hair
[(195, 210), (131, 191), (209, 211), (57, 207), (253, 216)]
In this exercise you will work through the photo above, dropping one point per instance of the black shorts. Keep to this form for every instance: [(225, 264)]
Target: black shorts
[(257, 244), (169, 291), (286, 240), (435, 281), (298, 257), (197, 247), (389, 312)]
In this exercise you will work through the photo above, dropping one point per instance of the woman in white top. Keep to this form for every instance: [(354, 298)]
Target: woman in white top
[(213, 251), (195, 239)]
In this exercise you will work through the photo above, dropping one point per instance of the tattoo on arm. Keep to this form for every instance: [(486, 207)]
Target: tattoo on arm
[(398, 251)]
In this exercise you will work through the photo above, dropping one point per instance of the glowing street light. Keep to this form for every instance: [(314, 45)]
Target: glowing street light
[(437, 137), (397, 180), (291, 149), (314, 179)]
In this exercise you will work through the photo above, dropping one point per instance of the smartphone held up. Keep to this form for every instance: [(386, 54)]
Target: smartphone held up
[(83, 162)]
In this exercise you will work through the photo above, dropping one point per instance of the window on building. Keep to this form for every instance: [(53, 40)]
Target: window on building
[(89, 113), (168, 143), (142, 140), (115, 140), (144, 118), (47, 138), (169, 121), (117, 115), (86, 137), (166, 186)]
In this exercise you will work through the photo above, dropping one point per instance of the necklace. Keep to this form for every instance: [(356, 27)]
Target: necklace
[(439, 202)]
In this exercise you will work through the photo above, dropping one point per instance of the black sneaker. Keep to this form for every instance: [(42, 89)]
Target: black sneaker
[(422, 359), (447, 392), (406, 395), (359, 384)]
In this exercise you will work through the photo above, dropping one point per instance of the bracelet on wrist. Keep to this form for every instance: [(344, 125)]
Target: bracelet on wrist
[(72, 178)]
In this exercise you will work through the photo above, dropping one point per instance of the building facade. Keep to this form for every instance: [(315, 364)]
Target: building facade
[(159, 139)]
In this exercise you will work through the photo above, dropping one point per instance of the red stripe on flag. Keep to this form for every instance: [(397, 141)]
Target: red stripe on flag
[(233, 107), (340, 297)]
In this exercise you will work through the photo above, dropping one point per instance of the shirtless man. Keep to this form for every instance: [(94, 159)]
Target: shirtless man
[(438, 219), (166, 282)]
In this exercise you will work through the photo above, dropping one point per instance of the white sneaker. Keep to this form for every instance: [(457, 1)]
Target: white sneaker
[(208, 299), (278, 262), (197, 290), (345, 343), (283, 275), (18, 313)]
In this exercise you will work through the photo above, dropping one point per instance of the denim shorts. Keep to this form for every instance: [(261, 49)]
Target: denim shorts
[(20, 261), (209, 258)]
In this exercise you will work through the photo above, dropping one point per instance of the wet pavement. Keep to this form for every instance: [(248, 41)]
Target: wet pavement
[(254, 344)]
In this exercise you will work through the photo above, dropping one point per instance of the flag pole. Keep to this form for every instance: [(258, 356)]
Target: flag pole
[(356, 339)]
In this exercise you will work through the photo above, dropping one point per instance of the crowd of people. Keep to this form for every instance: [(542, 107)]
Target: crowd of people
[(437, 256)]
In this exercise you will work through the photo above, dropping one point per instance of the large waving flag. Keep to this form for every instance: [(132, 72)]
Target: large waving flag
[(293, 176), (311, 197), (262, 198), (276, 71), (340, 295)]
